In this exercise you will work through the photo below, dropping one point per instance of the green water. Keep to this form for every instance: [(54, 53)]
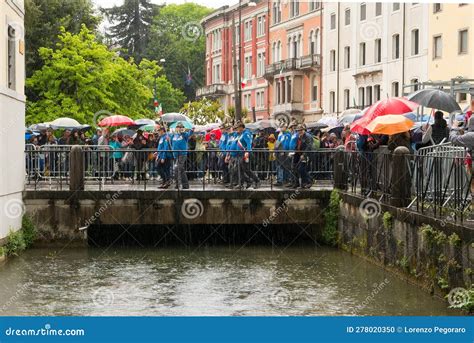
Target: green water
[(215, 281)]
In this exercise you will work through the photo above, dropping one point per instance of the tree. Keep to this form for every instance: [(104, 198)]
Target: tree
[(203, 111), (178, 37), (131, 28), (43, 20), (82, 77)]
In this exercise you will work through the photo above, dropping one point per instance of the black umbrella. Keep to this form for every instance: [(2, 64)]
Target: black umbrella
[(436, 99)]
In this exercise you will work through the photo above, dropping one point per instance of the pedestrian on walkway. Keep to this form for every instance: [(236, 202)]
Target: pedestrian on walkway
[(164, 158), (179, 145)]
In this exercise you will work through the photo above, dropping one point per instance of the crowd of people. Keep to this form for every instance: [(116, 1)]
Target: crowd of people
[(237, 157)]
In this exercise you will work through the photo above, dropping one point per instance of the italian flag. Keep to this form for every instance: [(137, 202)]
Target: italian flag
[(244, 83)]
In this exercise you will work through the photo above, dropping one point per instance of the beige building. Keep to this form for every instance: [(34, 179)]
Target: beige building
[(451, 48), (12, 114)]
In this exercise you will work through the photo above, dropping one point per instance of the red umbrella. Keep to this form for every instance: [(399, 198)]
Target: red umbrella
[(116, 120), (381, 108), (217, 132)]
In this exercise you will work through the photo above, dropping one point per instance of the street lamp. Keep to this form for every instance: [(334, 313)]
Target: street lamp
[(238, 96)]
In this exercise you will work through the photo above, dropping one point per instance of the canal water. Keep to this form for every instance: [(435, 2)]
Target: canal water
[(253, 281)]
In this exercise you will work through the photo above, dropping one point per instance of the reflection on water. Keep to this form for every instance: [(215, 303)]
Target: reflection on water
[(213, 281)]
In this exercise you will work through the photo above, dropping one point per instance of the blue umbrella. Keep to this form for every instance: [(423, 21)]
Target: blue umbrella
[(186, 124), (418, 117)]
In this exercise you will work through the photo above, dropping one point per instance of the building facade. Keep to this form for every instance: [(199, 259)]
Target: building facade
[(294, 69), (450, 52), (371, 51), (251, 42), (12, 114)]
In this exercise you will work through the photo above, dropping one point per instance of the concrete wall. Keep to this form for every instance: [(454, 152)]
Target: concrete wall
[(438, 263), (12, 119), (59, 215)]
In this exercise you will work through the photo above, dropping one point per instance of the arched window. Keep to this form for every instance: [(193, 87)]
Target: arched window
[(279, 51), (311, 43), (274, 52), (317, 39)]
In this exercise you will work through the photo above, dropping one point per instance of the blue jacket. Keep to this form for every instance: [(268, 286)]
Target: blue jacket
[(179, 141), (242, 144), (293, 141), (231, 140), (223, 141), (164, 147), (284, 139), (116, 146)]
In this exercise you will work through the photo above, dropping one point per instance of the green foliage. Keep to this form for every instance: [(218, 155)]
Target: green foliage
[(387, 220), (81, 77), (454, 240), (203, 111), (433, 237), (177, 36), (29, 231), (331, 216), (43, 20), (15, 243), (131, 26), (231, 112), (443, 283), (404, 263), (3, 253)]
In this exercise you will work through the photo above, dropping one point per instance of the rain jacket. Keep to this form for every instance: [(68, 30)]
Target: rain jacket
[(293, 141), (223, 141), (179, 141), (242, 144), (164, 147), (283, 140)]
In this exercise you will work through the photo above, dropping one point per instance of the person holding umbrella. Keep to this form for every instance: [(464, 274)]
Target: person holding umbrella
[(164, 157), (304, 144), (222, 165), (179, 145)]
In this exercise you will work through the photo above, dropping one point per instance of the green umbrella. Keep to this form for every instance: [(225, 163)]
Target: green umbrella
[(148, 128), (186, 124)]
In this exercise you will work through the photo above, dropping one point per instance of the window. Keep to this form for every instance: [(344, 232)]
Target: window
[(395, 6), (415, 42), (396, 46), (347, 17), (461, 97), (463, 42), (11, 58), (260, 64), (294, 8), (376, 93), (288, 88), (362, 54), (395, 89), (248, 30), (261, 26), (333, 21), (347, 57), (347, 99), (332, 102), (362, 96), (378, 50), (278, 92), (283, 90), (216, 73), (363, 12), (437, 7), (260, 99), (314, 5), (332, 60), (237, 34), (276, 12), (378, 9), (314, 89), (279, 51), (437, 47), (248, 67), (415, 84), (368, 95)]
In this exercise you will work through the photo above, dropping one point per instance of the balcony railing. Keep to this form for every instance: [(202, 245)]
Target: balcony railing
[(211, 90), (308, 62)]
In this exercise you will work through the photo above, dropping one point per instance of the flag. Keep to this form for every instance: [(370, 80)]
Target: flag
[(244, 83)]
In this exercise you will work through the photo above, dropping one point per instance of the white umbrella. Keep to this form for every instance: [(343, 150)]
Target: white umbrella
[(65, 123), (350, 111), (329, 121), (143, 122)]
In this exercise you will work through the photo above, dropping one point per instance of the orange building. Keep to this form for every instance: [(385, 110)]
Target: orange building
[(294, 69), (219, 31)]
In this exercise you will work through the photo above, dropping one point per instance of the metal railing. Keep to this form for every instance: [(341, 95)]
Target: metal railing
[(48, 167)]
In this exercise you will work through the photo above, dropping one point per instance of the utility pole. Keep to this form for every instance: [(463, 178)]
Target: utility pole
[(238, 108), (237, 102)]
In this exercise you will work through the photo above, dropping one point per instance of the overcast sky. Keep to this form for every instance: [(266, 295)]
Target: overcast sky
[(208, 3)]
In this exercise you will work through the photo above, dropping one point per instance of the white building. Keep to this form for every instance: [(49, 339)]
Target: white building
[(371, 50), (12, 114)]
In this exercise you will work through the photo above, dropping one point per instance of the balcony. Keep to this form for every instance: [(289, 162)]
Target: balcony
[(305, 63), (289, 107), (211, 91), (310, 62)]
